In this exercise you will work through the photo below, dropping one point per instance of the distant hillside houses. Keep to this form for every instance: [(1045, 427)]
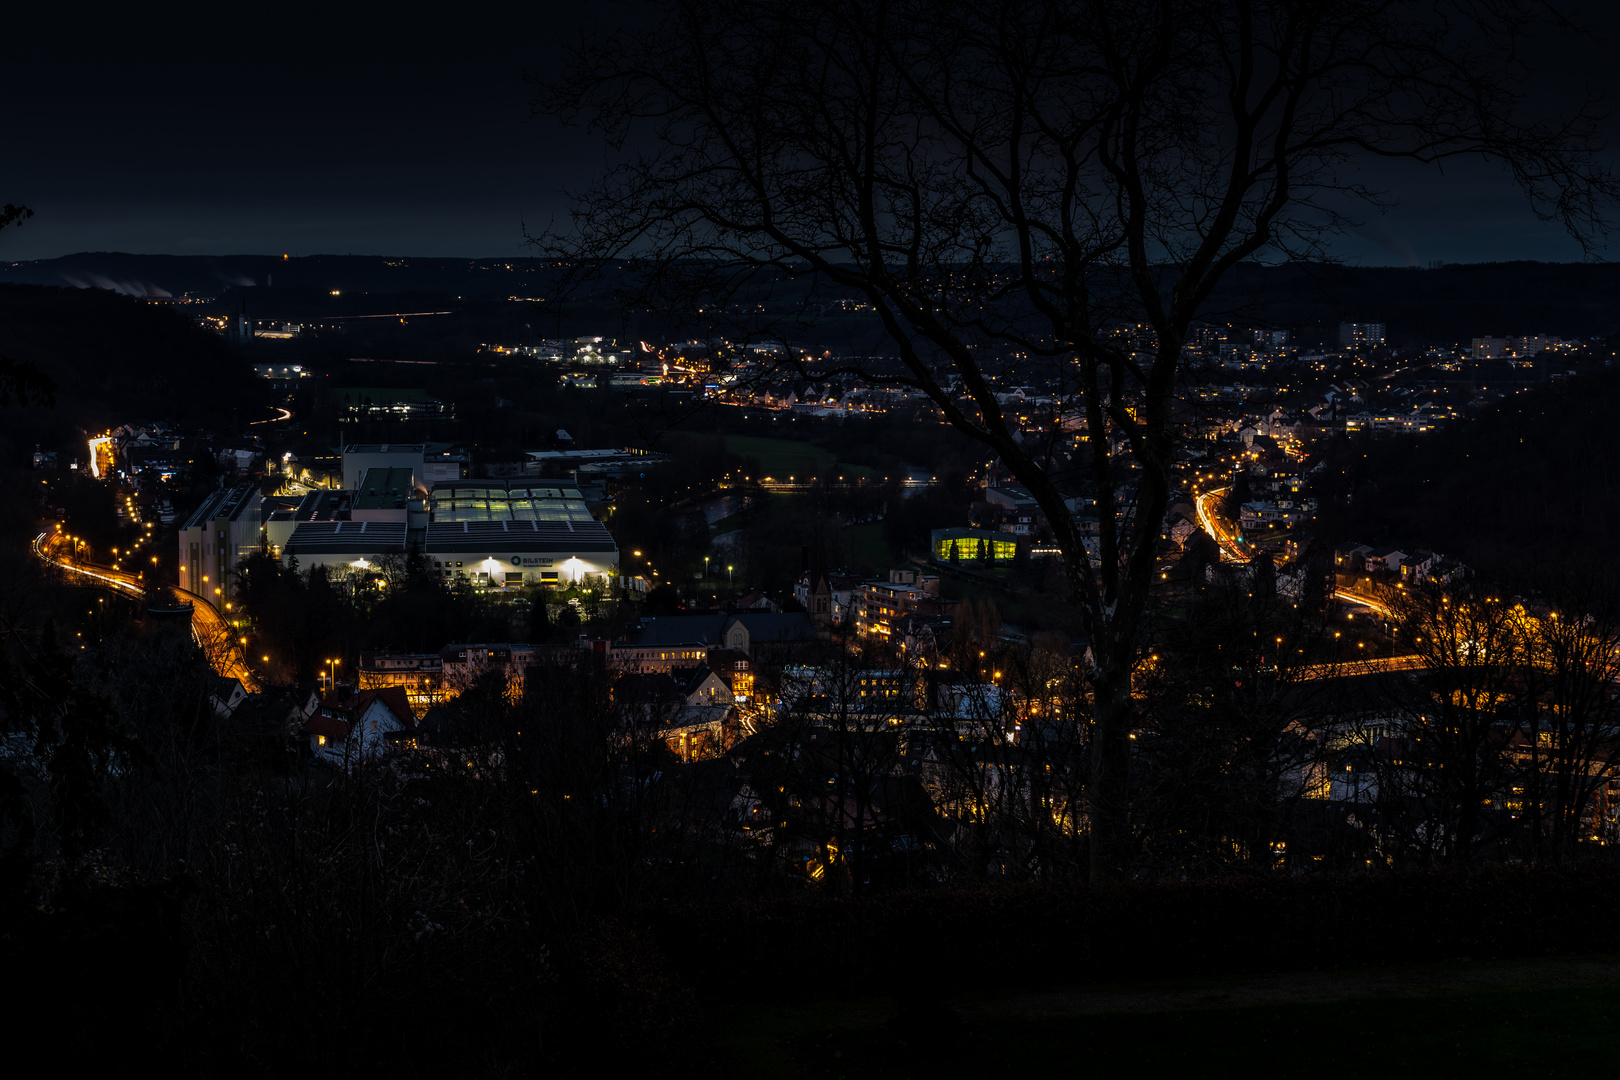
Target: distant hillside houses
[(667, 642), (1416, 567)]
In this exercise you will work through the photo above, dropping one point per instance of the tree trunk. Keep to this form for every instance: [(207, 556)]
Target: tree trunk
[(1110, 796)]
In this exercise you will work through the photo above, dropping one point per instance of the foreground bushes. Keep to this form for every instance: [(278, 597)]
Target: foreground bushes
[(645, 984), (1034, 934)]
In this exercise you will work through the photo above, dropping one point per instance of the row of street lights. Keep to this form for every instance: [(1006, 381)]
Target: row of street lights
[(732, 578)]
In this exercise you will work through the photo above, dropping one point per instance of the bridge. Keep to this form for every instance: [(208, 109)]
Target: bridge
[(208, 627)]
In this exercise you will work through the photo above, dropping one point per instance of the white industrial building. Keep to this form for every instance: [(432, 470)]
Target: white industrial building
[(344, 545), (507, 533), (495, 533), (214, 539)]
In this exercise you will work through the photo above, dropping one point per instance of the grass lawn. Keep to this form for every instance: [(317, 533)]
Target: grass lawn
[(779, 458), (762, 506), (861, 545), (782, 458), (730, 523), (1520, 1019)]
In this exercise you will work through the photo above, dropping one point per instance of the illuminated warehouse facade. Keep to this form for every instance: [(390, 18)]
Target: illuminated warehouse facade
[(494, 533), (503, 533)]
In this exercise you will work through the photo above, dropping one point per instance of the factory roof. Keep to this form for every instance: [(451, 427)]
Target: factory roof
[(383, 448), (384, 489), (226, 503), (497, 537), (477, 501), (326, 504), (346, 538)]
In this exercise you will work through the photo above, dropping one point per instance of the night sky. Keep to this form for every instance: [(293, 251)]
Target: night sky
[(388, 131)]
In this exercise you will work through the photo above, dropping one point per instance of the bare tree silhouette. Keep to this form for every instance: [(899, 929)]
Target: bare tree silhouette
[(1003, 183)]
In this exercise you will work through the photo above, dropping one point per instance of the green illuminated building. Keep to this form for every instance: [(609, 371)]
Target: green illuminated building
[(973, 546)]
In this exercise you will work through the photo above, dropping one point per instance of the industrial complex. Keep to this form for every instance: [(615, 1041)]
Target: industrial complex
[(501, 534)]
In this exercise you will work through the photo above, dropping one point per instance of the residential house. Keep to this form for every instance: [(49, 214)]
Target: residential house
[(1265, 515), (1415, 567), (362, 729), (1019, 523), (1384, 560), (670, 641), (757, 601), (1285, 481), (1351, 557), (420, 674), (277, 716), (226, 694), (1294, 577), (1182, 527), (701, 685), (882, 695), (734, 668), (977, 709), (690, 710)]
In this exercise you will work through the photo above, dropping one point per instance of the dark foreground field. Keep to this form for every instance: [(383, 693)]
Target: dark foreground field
[(1528, 1018)]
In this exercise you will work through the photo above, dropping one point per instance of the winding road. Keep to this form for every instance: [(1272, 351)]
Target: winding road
[(1231, 547), (286, 414), (208, 626), (1232, 551)]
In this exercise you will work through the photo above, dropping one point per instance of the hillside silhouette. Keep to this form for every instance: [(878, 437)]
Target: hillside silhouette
[(115, 359), (1529, 486)]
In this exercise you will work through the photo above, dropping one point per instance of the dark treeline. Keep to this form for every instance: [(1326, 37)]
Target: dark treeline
[(359, 277), (1528, 485), (1448, 303), (300, 619), (115, 357)]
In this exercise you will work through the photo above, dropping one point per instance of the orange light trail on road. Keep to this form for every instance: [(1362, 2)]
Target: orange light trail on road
[(1230, 549), (207, 625)]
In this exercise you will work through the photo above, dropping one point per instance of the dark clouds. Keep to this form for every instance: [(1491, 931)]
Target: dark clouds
[(384, 129), (308, 130)]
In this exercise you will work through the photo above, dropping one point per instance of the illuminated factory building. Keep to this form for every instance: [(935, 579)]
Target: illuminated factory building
[(494, 533)]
